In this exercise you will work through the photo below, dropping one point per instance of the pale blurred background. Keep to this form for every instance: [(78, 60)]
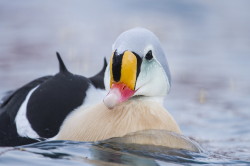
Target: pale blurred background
[(207, 44)]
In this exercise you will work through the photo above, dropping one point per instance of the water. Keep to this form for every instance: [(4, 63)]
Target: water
[(101, 153), (207, 45)]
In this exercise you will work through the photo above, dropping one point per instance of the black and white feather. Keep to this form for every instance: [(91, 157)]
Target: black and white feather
[(38, 109)]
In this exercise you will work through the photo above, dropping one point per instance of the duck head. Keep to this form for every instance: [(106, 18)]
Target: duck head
[(138, 67)]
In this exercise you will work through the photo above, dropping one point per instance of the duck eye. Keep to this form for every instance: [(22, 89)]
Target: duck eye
[(149, 55)]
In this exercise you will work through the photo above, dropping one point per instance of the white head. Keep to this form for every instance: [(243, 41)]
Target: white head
[(138, 67)]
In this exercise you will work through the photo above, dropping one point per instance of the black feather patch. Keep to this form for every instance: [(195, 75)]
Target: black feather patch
[(139, 61), (116, 66), (8, 111), (61, 63), (53, 100)]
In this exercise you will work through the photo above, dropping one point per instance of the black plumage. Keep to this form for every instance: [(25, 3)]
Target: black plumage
[(53, 99)]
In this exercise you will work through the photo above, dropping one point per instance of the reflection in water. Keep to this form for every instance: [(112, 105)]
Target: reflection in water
[(159, 138), (108, 152)]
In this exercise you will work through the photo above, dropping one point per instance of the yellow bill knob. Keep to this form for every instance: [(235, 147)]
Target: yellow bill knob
[(123, 69), (129, 69)]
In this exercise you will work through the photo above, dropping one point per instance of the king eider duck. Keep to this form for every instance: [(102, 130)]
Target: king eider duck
[(137, 79), (38, 109)]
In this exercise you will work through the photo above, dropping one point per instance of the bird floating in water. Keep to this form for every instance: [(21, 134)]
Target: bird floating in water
[(137, 79), (72, 107)]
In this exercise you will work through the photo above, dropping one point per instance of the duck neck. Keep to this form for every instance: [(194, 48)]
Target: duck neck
[(157, 99)]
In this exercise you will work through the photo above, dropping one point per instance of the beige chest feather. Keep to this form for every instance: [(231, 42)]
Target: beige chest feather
[(99, 123)]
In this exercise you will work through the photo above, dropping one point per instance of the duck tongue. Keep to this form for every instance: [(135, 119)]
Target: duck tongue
[(118, 93)]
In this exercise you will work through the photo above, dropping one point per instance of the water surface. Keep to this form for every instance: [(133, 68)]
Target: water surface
[(207, 46)]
